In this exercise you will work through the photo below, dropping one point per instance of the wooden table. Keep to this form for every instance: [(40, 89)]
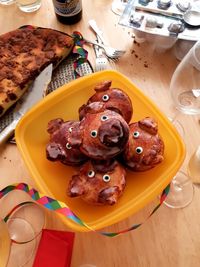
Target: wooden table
[(171, 237)]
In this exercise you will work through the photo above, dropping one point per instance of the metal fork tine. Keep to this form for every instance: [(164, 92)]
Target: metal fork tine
[(113, 59), (101, 60), (119, 52), (116, 54), (110, 51)]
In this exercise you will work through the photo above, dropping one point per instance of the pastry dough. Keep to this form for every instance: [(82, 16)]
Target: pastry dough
[(24, 53)]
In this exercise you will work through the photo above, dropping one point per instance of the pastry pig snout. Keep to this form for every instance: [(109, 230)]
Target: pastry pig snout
[(113, 133)]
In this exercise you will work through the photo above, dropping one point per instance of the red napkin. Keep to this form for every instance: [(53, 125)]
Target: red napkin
[(55, 249)]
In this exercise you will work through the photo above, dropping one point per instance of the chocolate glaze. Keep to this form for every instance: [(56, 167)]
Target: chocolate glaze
[(94, 107), (91, 187), (146, 150), (111, 98), (64, 142), (112, 134)]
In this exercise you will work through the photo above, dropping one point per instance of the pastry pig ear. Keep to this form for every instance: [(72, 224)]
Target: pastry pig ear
[(54, 152), (75, 187), (103, 86), (149, 125), (82, 111), (75, 138), (54, 125), (109, 195)]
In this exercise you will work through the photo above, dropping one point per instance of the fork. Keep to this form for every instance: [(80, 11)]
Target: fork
[(99, 34), (100, 38), (101, 62), (110, 51)]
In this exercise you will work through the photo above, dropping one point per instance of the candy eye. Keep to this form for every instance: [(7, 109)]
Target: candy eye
[(91, 174), (139, 150), (93, 133), (104, 118), (106, 178), (136, 134), (68, 146), (105, 97), (70, 129)]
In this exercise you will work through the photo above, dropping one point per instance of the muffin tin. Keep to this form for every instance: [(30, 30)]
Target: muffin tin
[(161, 17)]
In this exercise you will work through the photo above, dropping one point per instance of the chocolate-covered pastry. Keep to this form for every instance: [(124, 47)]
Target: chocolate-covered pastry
[(113, 99), (145, 147), (103, 135), (99, 183), (94, 107), (64, 142)]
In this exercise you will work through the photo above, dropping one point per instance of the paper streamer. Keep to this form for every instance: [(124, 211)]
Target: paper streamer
[(79, 51), (61, 208)]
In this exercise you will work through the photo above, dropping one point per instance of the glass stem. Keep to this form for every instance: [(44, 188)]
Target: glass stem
[(177, 124), (179, 186), (176, 116)]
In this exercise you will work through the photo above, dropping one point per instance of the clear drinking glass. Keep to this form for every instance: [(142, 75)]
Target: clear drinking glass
[(21, 231), (185, 83), (118, 6), (28, 5), (194, 166), (24, 225), (185, 92), (6, 2)]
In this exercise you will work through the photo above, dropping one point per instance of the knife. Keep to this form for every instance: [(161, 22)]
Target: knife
[(31, 97)]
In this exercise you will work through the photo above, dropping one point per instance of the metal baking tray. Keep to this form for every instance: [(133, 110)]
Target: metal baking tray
[(149, 18)]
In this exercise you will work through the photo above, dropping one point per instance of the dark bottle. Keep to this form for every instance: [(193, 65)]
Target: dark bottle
[(68, 11)]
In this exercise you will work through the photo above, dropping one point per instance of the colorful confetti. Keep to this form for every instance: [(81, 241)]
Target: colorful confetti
[(61, 208)]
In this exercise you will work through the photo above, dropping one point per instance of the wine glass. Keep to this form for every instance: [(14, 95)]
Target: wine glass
[(7, 2), (24, 224), (194, 166), (23, 242), (118, 6), (185, 92), (185, 83)]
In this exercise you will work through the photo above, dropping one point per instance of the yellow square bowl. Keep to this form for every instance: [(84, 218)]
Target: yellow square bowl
[(52, 177)]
